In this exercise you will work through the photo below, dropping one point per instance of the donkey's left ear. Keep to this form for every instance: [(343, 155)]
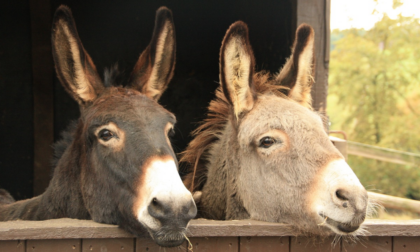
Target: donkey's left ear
[(155, 67), (237, 68), (298, 70)]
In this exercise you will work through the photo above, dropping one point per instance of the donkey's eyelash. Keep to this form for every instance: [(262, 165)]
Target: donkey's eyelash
[(171, 132)]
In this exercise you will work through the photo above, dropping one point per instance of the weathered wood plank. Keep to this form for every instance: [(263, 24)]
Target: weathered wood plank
[(212, 228), (406, 244), (148, 245), (314, 244), (65, 245), (210, 244), (13, 246), (266, 244), (114, 245), (392, 228), (84, 229), (59, 229), (369, 244)]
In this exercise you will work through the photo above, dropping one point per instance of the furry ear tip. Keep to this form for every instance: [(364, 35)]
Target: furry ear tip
[(304, 32), (62, 11), (239, 28), (164, 13)]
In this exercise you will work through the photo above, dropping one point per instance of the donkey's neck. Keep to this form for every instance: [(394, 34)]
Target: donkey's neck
[(61, 199), (219, 199)]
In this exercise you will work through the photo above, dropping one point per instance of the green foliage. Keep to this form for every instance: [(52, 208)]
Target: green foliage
[(374, 95)]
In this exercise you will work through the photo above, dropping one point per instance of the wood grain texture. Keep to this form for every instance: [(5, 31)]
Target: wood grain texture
[(406, 244), (266, 244), (211, 244), (84, 229), (369, 244), (13, 246), (65, 245), (212, 228), (313, 244), (105, 245), (148, 245)]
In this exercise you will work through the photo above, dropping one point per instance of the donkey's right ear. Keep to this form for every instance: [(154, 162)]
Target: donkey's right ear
[(237, 68), (155, 66), (73, 65)]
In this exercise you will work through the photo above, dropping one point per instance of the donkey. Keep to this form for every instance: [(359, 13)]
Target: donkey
[(119, 167), (263, 154)]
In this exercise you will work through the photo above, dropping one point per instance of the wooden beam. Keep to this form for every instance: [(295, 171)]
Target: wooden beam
[(383, 154), (86, 229), (395, 202), (42, 78)]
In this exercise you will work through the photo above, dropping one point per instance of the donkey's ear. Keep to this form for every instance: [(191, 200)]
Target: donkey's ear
[(297, 72), (237, 68), (73, 65), (155, 67)]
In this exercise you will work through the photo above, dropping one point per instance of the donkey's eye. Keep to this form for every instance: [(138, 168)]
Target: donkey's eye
[(171, 132), (105, 134), (267, 142)]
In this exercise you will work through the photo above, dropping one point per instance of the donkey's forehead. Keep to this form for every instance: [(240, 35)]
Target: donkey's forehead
[(127, 104), (272, 112)]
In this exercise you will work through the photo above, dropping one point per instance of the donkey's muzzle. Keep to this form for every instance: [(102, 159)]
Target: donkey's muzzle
[(172, 213)]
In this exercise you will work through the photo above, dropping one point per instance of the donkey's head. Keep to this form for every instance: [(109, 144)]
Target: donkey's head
[(281, 165), (128, 170)]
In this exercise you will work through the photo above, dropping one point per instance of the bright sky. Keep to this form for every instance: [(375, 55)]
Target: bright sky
[(358, 13)]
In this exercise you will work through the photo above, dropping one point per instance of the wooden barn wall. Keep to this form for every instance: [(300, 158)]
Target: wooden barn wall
[(16, 99), (115, 32)]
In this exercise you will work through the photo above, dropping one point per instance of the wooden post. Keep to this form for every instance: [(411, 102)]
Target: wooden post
[(42, 76), (317, 14)]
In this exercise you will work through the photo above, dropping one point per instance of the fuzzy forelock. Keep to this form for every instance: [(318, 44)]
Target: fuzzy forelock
[(219, 112)]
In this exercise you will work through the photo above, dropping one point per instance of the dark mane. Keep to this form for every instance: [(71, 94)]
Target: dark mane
[(60, 146), (219, 112)]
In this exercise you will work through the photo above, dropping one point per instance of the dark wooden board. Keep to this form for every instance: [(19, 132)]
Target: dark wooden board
[(369, 244), (314, 244), (406, 244), (148, 245), (114, 245), (210, 244), (12, 246), (42, 79), (266, 244), (65, 245)]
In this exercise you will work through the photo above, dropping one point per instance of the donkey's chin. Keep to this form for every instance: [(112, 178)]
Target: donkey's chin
[(341, 228), (168, 237)]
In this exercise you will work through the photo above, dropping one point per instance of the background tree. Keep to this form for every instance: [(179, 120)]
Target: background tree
[(374, 95)]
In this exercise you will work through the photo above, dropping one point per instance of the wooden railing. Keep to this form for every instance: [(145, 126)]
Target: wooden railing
[(205, 235)]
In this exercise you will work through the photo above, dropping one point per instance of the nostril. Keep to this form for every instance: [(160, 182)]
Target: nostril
[(154, 201), (341, 194)]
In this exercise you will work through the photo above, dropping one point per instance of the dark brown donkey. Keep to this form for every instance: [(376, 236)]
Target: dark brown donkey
[(263, 154), (120, 167)]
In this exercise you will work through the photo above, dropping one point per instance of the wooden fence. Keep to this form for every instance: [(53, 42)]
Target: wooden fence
[(205, 235)]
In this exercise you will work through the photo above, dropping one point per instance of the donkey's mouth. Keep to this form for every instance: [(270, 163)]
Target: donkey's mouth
[(168, 238), (341, 226)]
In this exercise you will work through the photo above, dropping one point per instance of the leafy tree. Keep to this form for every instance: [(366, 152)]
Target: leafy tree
[(374, 95)]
